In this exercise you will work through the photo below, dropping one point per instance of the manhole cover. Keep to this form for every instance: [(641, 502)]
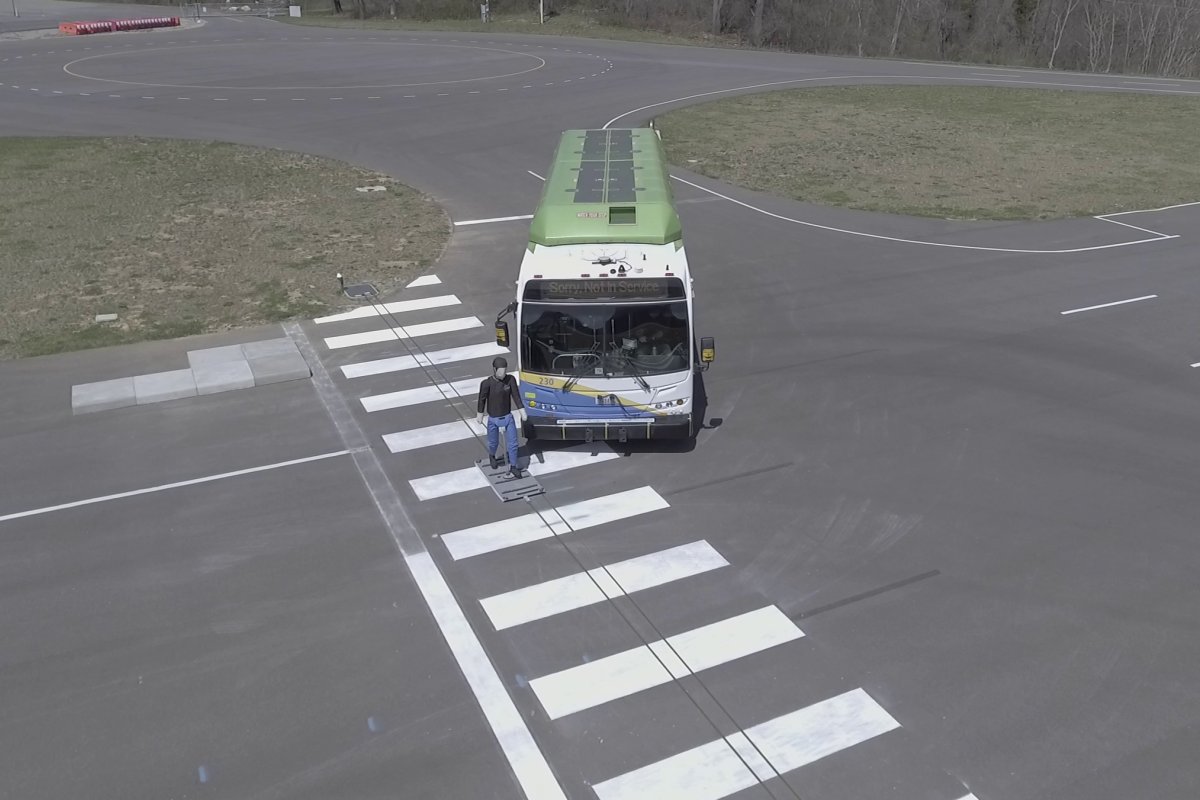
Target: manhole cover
[(360, 291)]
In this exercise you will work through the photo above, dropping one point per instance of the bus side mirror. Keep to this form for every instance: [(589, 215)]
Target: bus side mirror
[(502, 333), (708, 350)]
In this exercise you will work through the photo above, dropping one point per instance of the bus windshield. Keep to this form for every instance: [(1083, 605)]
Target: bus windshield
[(612, 341)]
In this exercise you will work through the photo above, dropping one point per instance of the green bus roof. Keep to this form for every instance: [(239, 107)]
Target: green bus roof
[(607, 186)]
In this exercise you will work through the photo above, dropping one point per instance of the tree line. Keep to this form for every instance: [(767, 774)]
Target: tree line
[(1143, 37)]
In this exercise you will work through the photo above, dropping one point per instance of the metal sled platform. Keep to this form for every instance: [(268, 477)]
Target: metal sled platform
[(507, 488)]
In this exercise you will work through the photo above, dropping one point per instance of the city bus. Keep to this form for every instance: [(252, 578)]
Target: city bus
[(603, 317)]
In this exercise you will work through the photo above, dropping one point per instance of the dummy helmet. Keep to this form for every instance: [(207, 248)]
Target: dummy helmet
[(498, 362)]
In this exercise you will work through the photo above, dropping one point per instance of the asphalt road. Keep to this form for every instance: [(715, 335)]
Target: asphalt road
[(977, 509)]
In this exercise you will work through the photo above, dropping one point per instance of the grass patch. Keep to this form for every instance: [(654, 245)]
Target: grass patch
[(961, 153), (180, 238), (566, 23)]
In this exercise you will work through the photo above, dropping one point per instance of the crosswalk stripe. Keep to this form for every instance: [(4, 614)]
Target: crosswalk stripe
[(968, 797), (398, 307), (399, 363), (421, 394), (641, 668), (594, 586), (402, 332), (404, 441), (716, 770), (470, 478), (565, 519), (424, 280)]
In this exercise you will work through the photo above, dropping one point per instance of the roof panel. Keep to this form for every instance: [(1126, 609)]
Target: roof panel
[(595, 168)]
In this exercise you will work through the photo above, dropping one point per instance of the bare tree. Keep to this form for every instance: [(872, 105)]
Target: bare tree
[(1099, 23), (1060, 16), (898, 20)]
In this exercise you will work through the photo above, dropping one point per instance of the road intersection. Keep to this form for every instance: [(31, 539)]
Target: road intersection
[(933, 542)]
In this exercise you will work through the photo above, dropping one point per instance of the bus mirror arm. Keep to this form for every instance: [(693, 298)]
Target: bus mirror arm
[(511, 308), (501, 326)]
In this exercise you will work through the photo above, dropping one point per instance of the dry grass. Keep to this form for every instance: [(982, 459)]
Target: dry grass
[(568, 23), (963, 153), (180, 238)]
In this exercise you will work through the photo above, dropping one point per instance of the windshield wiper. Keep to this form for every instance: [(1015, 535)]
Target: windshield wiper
[(633, 368), (576, 375)]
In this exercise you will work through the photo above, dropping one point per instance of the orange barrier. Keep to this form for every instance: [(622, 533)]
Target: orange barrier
[(108, 26)]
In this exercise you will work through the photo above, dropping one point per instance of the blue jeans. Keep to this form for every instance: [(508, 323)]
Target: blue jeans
[(510, 435)]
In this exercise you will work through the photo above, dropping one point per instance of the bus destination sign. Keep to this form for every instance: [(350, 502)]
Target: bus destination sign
[(605, 289)]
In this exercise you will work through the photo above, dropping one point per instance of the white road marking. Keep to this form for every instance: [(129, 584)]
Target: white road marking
[(400, 363), (1150, 83), (716, 770), (582, 589), (1104, 218), (493, 219), (424, 280), (881, 237), (398, 307), (528, 763), (1152, 210), (421, 394), (832, 78), (1197, 364), (164, 487), (402, 332), (470, 478), (1108, 305), (968, 797), (640, 668), (415, 439), (534, 174), (565, 519)]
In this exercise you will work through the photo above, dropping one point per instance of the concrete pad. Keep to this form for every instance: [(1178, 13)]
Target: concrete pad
[(160, 386), (222, 376), (269, 347), (279, 368), (216, 355), (102, 396)]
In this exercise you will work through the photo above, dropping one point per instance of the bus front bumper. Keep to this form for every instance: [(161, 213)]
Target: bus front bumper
[(676, 426)]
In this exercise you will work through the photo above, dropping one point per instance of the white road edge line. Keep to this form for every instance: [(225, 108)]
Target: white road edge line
[(1108, 305), (1152, 210), (918, 241), (1104, 218), (493, 219), (177, 485), (1161, 237), (526, 759)]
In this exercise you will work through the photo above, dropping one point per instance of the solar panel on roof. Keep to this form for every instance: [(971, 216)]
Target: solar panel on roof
[(620, 144), (620, 182), (595, 146), (589, 185)]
